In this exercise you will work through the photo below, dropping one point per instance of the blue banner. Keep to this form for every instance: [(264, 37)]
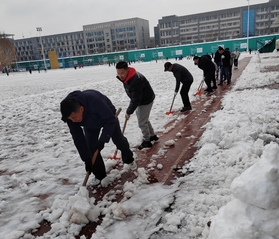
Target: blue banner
[(251, 23)]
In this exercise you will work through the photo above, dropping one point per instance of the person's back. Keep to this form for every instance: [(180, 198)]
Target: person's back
[(226, 58), (180, 72), (208, 56), (182, 75), (217, 57), (95, 104), (206, 64)]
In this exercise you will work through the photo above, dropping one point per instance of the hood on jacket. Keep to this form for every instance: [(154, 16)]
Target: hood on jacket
[(131, 73)]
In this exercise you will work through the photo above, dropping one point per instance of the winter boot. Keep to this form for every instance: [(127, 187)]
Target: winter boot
[(154, 138), (186, 108), (145, 144)]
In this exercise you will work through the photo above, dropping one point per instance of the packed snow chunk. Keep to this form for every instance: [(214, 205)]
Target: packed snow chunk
[(79, 218), (173, 221), (57, 229), (78, 209), (241, 220), (142, 177), (129, 189), (118, 211), (169, 142), (259, 184), (159, 166), (106, 182), (178, 135), (93, 214), (80, 205)]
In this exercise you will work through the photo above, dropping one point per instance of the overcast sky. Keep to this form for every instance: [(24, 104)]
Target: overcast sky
[(21, 17)]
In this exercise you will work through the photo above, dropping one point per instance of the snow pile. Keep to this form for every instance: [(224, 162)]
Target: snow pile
[(143, 216), (170, 142), (70, 214), (255, 211), (41, 171)]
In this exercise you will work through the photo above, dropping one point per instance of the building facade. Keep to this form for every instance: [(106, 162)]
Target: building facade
[(128, 34), (65, 45), (218, 25), (95, 38)]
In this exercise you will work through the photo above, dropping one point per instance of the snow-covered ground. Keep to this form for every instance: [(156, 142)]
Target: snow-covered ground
[(234, 182)]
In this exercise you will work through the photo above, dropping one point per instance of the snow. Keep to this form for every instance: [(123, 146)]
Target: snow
[(232, 181)]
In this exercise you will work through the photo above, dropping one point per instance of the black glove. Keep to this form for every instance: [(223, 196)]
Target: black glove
[(99, 146), (88, 165)]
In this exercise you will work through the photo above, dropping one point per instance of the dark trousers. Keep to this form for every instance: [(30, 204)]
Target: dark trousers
[(210, 76), (225, 74), (184, 93), (121, 142), (235, 62)]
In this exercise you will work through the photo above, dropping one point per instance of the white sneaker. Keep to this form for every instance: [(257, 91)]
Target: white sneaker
[(133, 165), (94, 182)]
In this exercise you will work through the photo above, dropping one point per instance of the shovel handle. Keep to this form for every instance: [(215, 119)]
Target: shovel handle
[(171, 105), (88, 174), (124, 126), (96, 154), (117, 112)]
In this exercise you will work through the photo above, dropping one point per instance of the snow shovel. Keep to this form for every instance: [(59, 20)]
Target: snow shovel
[(95, 156), (88, 174), (115, 152), (199, 90), (171, 112)]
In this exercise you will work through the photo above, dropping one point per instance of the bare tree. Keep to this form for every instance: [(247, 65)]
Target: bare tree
[(7, 51)]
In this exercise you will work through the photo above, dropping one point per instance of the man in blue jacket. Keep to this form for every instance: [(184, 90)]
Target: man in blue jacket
[(86, 113), (141, 97)]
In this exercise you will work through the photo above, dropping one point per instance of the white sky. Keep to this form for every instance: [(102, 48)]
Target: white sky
[(37, 153), (21, 17)]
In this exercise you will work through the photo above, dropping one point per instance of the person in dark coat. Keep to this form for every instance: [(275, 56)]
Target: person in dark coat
[(208, 67), (6, 70), (141, 97), (182, 75), (213, 79), (226, 59), (86, 114), (218, 61)]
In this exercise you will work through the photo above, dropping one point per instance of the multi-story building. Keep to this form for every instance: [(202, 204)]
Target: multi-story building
[(114, 36), (65, 45), (218, 25), (95, 38)]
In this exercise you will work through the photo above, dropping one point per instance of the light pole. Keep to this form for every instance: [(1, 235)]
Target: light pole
[(248, 16), (39, 29)]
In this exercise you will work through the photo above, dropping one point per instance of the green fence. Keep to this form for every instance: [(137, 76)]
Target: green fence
[(255, 43)]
